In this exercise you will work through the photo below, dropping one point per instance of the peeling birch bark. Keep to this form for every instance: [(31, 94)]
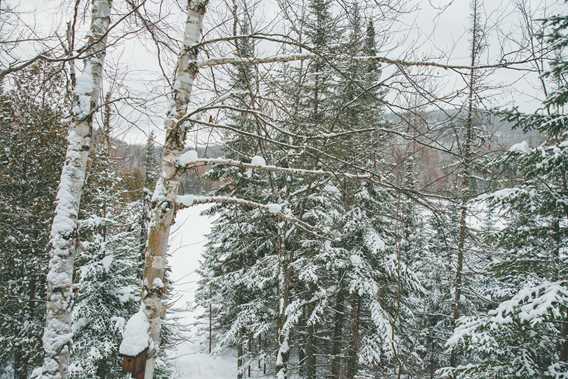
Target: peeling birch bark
[(163, 209), (57, 338)]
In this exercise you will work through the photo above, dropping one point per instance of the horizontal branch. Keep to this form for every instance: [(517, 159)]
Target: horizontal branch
[(370, 174), (185, 201), (290, 170), (81, 52), (212, 62)]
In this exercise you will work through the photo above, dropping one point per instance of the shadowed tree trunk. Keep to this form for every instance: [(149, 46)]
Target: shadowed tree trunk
[(355, 337), (283, 299), (337, 335), (310, 359)]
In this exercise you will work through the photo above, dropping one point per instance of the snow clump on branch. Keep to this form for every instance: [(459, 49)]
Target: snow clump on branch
[(257, 160), (135, 335)]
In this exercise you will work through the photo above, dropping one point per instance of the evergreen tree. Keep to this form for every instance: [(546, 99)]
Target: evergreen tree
[(238, 283), (32, 136), (151, 163), (530, 264), (107, 271)]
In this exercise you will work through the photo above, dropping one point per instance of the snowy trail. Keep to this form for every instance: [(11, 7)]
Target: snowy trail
[(190, 359)]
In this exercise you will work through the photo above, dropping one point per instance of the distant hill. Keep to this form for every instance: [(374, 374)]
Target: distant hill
[(131, 157), (443, 132), (435, 167)]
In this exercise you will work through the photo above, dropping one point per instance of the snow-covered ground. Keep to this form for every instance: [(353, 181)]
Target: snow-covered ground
[(190, 358)]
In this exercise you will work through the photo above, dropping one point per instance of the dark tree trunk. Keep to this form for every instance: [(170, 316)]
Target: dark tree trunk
[(20, 365), (355, 337), (240, 361), (564, 346), (310, 359), (337, 335)]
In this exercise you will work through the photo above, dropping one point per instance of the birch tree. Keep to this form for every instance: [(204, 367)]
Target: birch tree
[(163, 207), (57, 337)]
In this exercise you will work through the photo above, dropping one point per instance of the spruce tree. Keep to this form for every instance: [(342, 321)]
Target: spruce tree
[(107, 273), (32, 136), (238, 279), (530, 263)]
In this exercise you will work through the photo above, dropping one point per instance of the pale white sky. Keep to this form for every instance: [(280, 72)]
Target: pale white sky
[(437, 30)]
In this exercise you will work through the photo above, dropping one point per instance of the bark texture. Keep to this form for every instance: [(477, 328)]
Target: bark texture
[(57, 336), (355, 337), (163, 207), (337, 334), (283, 297)]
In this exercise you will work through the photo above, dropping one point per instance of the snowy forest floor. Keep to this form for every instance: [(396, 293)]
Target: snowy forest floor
[(190, 358)]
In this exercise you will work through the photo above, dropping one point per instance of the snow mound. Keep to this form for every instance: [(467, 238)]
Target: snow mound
[(135, 337)]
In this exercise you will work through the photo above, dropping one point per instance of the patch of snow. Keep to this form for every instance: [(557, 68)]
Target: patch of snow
[(374, 241), (521, 148), (257, 160), (158, 283), (504, 193), (59, 279), (331, 189), (107, 262), (185, 200), (135, 338), (275, 208), (356, 260), (126, 294)]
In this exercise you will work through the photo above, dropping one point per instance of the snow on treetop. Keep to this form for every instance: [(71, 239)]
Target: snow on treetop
[(187, 157), (521, 148), (135, 337), (257, 160)]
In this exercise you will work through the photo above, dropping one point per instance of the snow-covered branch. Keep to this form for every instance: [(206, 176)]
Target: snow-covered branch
[(276, 210), (219, 61), (187, 161)]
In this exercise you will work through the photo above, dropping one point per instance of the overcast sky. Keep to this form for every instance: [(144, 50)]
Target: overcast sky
[(437, 29)]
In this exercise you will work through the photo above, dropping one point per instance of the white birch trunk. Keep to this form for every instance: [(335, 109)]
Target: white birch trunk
[(57, 336), (164, 199)]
